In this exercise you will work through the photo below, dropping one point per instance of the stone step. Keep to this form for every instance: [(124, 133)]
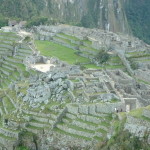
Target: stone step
[(25, 51), (72, 135), (78, 131), (7, 67), (47, 120), (84, 125), (9, 64), (38, 114), (9, 133), (103, 128), (71, 116), (20, 58), (10, 37), (66, 120), (90, 118), (6, 53), (13, 60), (41, 119), (7, 141), (3, 45), (98, 134), (62, 42), (74, 41), (5, 71), (22, 54), (39, 124), (93, 96), (34, 129), (8, 42)]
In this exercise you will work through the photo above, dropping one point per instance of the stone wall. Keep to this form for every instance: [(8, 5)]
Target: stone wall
[(146, 113), (96, 108)]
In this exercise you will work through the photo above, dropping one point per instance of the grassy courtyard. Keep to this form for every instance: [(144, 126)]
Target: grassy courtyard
[(52, 49)]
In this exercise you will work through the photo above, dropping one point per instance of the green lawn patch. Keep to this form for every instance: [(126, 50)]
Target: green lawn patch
[(52, 49), (69, 36)]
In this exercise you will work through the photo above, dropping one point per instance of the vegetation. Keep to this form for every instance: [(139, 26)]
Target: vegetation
[(22, 148), (3, 21), (138, 17), (63, 53), (36, 21), (102, 57), (34, 11), (123, 140), (133, 64), (90, 20)]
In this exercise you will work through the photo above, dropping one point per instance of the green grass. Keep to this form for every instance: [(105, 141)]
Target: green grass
[(22, 148), (137, 112), (92, 66), (88, 48), (87, 42), (80, 129), (72, 135), (135, 53), (56, 50), (105, 124), (101, 131), (98, 138), (114, 67), (9, 105), (34, 127), (6, 137), (69, 36), (145, 82), (140, 56), (66, 41)]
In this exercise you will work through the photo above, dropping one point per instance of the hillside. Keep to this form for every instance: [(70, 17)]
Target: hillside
[(73, 88), (130, 16), (74, 77)]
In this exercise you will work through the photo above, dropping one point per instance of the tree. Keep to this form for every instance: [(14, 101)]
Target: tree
[(102, 57), (3, 21), (87, 21)]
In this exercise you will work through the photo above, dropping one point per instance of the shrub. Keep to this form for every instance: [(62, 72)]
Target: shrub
[(134, 65), (37, 21), (102, 57)]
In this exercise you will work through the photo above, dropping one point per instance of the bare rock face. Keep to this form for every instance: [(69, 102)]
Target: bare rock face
[(108, 14), (105, 14)]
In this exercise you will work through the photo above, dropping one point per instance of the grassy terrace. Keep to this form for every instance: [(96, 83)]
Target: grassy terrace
[(66, 41), (69, 36), (68, 55), (142, 81), (89, 48), (138, 113), (87, 42), (72, 135), (63, 53), (140, 56)]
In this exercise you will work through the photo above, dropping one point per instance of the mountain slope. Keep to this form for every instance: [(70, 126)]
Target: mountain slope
[(126, 16)]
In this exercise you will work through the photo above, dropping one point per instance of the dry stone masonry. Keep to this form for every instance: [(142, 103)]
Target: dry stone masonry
[(68, 106)]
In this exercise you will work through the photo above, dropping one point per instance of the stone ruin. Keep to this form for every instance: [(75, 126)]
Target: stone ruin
[(68, 104), (99, 38), (122, 45)]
